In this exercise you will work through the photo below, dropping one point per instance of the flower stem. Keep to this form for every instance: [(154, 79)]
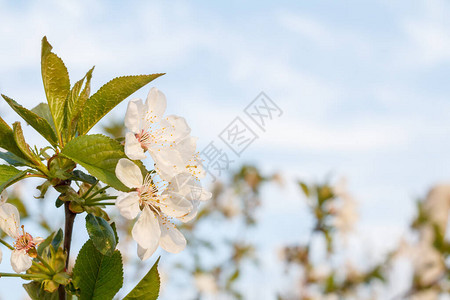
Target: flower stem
[(104, 198), (25, 276), (97, 192), (89, 190), (45, 264), (35, 175), (101, 203), (6, 244), (41, 267), (96, 200)]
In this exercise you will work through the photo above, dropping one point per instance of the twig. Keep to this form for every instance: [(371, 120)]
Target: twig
[(69, 219)]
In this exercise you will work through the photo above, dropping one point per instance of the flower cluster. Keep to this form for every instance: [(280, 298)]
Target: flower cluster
[(172, 190), (24, 247), (346, 214)]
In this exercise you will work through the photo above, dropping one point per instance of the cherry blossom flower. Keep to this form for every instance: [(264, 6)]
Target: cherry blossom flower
[(156, 202), (181, 158), (346, 213), (24, 244), (148, 130), (206, 283)]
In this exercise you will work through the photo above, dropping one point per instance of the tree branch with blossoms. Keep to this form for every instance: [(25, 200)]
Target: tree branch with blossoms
[(92, 172)]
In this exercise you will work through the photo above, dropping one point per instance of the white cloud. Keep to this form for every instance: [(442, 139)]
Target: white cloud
[(370, 135), (430, 40), (326, 35), (427, 36)]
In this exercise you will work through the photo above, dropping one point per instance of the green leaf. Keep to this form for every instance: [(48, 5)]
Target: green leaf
[(99, 277), (43, 111), (13, 159), (99, 155), (43, 188), (304, 188), (40, 124), (7, 141), (101, 234), (44, 244), (53, 239), (23, 146), (233, 278), (61, 167), (9, 175), (59, 203), (56, 83), (108, 96), (56, 241), (81, 176), (76, 101), (148, 287), (36, 292), (97, 211), (114, 228)]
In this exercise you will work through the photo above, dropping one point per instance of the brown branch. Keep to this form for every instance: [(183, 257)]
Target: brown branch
[(68, 228)]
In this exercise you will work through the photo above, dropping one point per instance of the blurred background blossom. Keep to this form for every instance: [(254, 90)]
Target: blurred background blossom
[(363, 90)]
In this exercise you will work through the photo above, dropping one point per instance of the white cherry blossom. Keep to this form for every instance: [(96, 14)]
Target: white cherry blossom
[(23, 241), (206, 283), (181, 158), (148, 130), (156, 202), (346, 214)]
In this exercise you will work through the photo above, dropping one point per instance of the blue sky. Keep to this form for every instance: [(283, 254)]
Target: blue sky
[(362, 83)]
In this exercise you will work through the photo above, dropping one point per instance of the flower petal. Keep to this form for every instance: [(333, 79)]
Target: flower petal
[(192, 214), (156, 105), (133, 148), (134, 114), (146, 231), (199, 195), (129, 173), (175, 205), (172, 240), (187, 146), (189, 187), (9, 220), (128, 204), (169, 163), (146, 253), (20, 261), (176, 128), (37, 240)]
